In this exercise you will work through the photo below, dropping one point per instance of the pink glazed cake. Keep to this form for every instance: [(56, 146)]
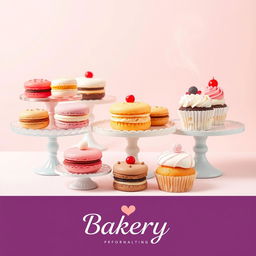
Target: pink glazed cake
[(82, 159), (71, 115)]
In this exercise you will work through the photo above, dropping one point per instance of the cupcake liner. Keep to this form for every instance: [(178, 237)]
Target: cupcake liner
[(196, 120), (175, 183), (220, 115)]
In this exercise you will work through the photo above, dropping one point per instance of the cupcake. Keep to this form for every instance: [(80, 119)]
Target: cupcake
[(129, 175), (218, 102), (195, 111), (91, 88), (159, 116), (130, 115), (176, 171), (81, 160)]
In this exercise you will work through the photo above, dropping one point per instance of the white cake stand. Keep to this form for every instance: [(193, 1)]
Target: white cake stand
[(89, 136), (204, 168), (50, 104), (84, 181), (132, 137), (50, 165)]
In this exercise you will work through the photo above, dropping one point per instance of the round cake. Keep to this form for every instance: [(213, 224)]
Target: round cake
[(129, 175), (130, 116)]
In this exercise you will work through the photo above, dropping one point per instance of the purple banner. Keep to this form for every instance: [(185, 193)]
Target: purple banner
[(127, 226)]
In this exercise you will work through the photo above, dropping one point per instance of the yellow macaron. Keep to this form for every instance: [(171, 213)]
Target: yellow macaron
[(159, 116), (130, 116), (34, 119)]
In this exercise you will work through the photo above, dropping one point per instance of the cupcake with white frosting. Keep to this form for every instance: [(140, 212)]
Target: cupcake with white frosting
[(176, 172), (218, 102), (195, 111)]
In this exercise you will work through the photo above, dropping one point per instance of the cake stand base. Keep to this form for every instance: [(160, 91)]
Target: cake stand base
[(92, 143), (204, 169), (48, 169), (83, 184)]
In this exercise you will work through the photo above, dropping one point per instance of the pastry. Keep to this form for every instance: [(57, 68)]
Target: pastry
[(130, 115), (176, 171), (195, 111), (82, 159), (37, 88), (71, 115), (63, 88), (91, 88), (159, 116), (218, 102), (34, 119), (130, 176)]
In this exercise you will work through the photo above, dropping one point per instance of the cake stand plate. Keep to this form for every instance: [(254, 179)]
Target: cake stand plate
[(89, 136), (50, 165), (132, 137), (204, 169), (83, 181)]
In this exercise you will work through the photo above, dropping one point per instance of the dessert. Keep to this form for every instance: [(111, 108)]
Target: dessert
[(34, 119), (130, 115), (159, 116), (218, 102), (130, 176), (176, 171), (63, 88), (91, 88), (37, 88), (195, 111), (82, 159), (71, 115)]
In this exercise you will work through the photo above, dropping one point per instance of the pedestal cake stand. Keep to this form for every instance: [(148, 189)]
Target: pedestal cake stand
[(50, 165), (132, 137), (84, 181), (204, 168), (91, 104)]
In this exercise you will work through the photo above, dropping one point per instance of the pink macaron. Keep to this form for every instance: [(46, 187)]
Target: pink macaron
[(71, 115), (37, 88), (82, 159)]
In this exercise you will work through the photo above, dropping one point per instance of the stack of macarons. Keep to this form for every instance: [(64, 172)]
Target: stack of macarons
[(64, 88), (37, 88), (82, 159), (130, 115), (130, 175), (71, 115), (34, 119), (90, 87)]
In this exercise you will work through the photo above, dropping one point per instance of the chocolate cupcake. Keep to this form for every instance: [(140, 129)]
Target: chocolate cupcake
[(218, 102), (195, 111)]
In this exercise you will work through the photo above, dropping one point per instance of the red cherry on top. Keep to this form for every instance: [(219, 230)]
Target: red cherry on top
[(199, 92), (130, 160), (213, 82), (88, 74), (130, 98)]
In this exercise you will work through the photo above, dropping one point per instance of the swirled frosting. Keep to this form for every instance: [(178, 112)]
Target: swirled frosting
[(174, 159), (216, 94), (195, 100)]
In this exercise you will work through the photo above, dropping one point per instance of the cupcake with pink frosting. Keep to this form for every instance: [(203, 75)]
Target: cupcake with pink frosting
[(218, 102)]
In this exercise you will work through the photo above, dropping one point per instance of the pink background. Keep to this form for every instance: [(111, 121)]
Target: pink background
[(154, 49)]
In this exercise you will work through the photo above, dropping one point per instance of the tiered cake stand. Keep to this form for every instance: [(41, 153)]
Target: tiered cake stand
[(51, 132), (83, 181), (204, 168), (132, 137), (89, 135)]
